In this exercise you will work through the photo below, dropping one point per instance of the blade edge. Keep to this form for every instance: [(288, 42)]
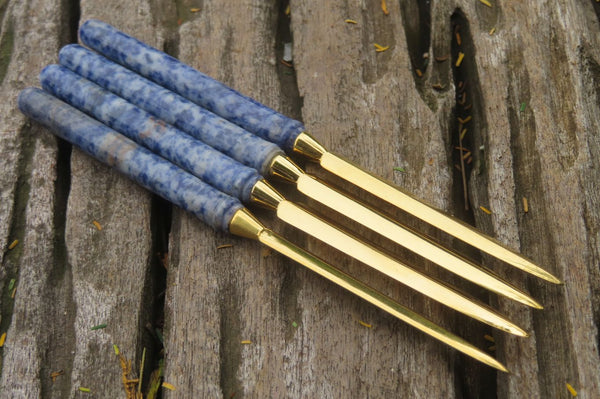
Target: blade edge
[(399, 198)]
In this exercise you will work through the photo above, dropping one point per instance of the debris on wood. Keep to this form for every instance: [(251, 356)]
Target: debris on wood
[(155, 381), (489, 338), (484, 209), (459, 60), (572, 390), (129, 383), (224, 246), (142, 362), (84, 389), (442, 58), (464, 121), (159, 335), (97, 225), (287, 52), (164, 259), (362, 323), (170, 387), (2, 339), (246, 342), (265, 252), (384, 7), (525, 205), (486, 2), (13, 244), (194, 10), (55, 374), (350, 21), (379, 48), (99, 327), (492, 31)]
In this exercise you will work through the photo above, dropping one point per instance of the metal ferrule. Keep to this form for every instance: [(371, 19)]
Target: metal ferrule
[(264, 194), (243, 224), (285, 169), (306, 145)]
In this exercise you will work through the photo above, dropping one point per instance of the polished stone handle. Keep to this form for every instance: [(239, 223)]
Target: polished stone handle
[(144, 167), (213, 130), (191, 84), (203, 161)]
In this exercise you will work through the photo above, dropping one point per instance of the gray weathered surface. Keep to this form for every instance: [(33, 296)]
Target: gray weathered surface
[(535, 88)]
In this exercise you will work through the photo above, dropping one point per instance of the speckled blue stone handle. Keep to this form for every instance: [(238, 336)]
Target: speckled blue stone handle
[(213, 130), (190, 83), (210, 165), (149, 170)]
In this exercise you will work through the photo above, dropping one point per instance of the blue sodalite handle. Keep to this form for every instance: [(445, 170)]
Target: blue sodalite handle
[(190, 83), (213, 130), (210, 165), (149, 170)]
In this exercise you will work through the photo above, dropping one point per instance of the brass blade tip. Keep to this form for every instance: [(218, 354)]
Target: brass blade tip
[(498, 366), (553, 279)]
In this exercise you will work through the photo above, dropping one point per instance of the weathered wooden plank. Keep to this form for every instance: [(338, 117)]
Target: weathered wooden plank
[(28, 196), (217, 298), (110, 267), (365, 106)]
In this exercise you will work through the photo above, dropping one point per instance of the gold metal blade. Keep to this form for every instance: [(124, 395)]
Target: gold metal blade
[(410, 240), (308, 146), (310, 224), (279, 244), (245, 225)]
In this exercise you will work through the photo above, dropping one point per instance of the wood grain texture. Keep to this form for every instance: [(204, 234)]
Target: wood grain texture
[(240, 321)]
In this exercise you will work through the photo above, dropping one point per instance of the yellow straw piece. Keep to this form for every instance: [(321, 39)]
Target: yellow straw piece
[(362, 323), (463, 121), (379, 48), (492, 31), (246, 342), (13, 244), (571, 389), (194, 9), (461, 55), (489, 338), (97, 225), (84, 389), (384, 7), (485, 210), (225, 246), (525, 205), (487, 3), (350, 21), (170, 387), (116, 349), (2, 339)]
